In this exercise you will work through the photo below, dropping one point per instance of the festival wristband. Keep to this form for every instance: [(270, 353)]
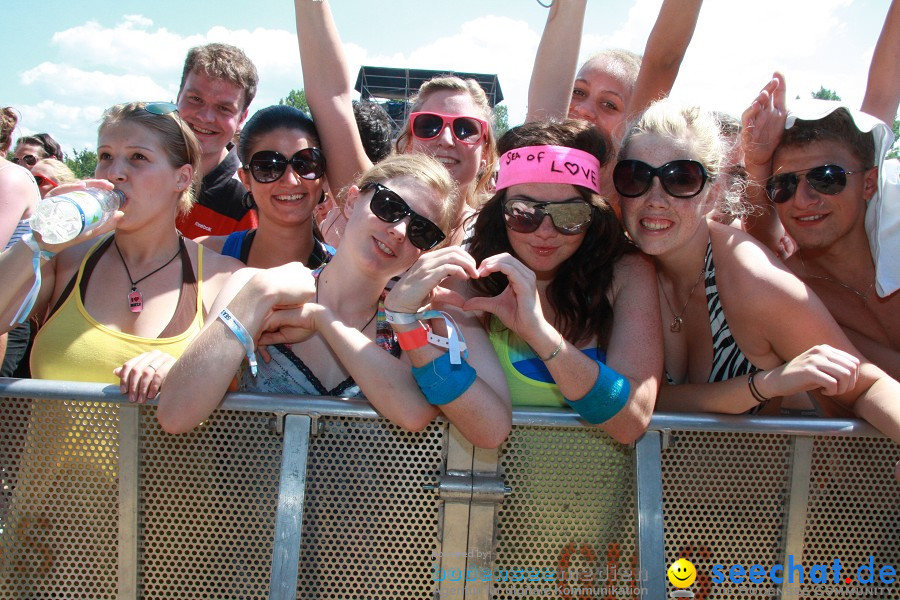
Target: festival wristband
[(243, 336), (412, 340), (454, 342), (549, 164), (443, 382), (28, 303), (608, 396)]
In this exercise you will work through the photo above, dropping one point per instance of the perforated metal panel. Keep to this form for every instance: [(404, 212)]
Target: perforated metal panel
[(853, 512), (369, 530), (724, 498), (60, 524), (208, 502), (571, 509)]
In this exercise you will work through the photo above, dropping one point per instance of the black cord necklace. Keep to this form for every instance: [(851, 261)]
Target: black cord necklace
[(135, 299)]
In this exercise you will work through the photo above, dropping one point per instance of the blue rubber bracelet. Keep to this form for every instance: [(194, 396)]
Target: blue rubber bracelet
[(443, 382), (608, 396)]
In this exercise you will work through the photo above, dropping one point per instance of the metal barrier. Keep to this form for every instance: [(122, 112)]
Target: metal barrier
[(284, 497)]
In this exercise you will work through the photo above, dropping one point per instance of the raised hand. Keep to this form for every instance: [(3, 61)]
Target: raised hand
[(420, 285), (518, 306), (763, 123)]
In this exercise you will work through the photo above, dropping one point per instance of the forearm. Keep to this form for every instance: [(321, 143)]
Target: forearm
[(17, 275), (883, 87), (553, 75), (732, 396), (665, 49), (880, 406)]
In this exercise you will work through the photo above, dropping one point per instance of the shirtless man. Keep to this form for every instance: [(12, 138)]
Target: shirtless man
[(217, 85)]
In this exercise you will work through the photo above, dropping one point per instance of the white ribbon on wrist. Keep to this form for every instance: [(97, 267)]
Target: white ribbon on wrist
[(455, 343), (28, 303)]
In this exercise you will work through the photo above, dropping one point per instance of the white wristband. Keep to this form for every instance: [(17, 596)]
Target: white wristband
[(243, 336)]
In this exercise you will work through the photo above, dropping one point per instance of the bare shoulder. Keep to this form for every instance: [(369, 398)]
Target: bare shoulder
[(749, 277), (216, 268), (634, 271)]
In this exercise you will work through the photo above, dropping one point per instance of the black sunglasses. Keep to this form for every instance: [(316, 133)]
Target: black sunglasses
[(267, 166), (827, 179), (388, 206), (428, 125), (679, 178), (28, 159), (569, 217)]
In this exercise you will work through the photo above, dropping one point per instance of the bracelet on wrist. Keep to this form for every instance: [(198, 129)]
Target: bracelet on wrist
[(760, 399), (242, 335), (556, 351)]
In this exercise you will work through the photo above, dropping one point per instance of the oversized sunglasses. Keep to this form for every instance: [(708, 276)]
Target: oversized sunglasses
[(388, 206), (267, 166), (429, 125), (569, 217), (28, 159), (679, 178), (41, 180), (827, 179)]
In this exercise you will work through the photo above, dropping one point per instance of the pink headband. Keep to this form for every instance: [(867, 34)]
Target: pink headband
[(549, 164)]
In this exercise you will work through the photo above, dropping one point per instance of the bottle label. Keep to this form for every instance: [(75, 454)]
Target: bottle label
[(88, 207)]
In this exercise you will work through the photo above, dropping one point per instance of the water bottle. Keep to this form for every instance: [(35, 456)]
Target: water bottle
[(61, 218)]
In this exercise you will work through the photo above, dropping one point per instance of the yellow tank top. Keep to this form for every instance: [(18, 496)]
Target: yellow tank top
[(72, 346)]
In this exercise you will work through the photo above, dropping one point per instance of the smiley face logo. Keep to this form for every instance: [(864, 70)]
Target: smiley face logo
[(682, 573)]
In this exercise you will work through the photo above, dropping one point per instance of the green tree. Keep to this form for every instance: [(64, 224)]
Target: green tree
[(297, 99), (825, 94), (895, 150), (83, 163), (501, 119)]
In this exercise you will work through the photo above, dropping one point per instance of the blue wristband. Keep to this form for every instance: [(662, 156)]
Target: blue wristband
[(608, 396), (443, 382)]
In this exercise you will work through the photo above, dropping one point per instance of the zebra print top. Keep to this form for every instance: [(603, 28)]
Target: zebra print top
[(728, 361)]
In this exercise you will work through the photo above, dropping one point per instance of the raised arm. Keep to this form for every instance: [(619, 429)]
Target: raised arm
[(883, 88), (665, 49), (762, 129), (18, 197), (329, 92), (553, 75)]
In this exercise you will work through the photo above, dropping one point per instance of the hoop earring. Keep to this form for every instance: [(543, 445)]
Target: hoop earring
[(247, 201)]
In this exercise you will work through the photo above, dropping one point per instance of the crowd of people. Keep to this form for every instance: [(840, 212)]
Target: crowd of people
[(438, 270)]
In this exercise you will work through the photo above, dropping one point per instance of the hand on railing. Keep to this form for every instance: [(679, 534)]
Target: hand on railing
[(143, 376)]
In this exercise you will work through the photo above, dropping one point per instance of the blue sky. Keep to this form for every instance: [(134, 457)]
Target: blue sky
[(64, 61)]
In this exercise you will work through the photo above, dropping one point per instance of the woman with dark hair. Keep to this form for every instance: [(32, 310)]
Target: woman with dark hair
[(284, 173), (571, 309), (32, 148)]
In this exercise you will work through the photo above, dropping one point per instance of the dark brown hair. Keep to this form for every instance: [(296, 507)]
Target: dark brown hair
[(578, 292), (836, 127)]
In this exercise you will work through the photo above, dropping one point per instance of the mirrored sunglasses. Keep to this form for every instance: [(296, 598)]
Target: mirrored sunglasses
[(429, 125), (827, 179), (267, 166), (679, 178), (569, 217), (388, 206), (160, 108)]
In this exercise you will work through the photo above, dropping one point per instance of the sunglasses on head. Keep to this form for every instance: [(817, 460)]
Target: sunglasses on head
[(569, 217), (160, 108), (429, 125), (41, 180), (827, 179), (679, 178), (28, 159), (267, 166), (388, 206)]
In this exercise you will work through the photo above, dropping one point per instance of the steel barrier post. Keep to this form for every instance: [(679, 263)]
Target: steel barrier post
[(651, 539), (289, 518), (129, 467), (797, 510)]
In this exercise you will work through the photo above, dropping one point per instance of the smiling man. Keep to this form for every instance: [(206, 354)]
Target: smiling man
[(217, 85)]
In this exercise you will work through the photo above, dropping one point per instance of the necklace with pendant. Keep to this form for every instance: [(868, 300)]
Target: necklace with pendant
[(864, 296), (135, 299), (677, 320)]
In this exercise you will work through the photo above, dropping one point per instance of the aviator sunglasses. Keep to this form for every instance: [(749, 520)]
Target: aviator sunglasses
[(388, 206), (569, 217), (267, 166), (679, 178), (429, 125), (827, 179)]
